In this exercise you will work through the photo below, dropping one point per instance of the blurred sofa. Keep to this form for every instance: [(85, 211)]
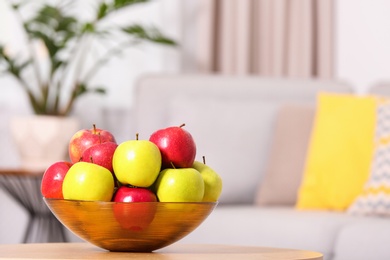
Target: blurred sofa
[(255, 132)]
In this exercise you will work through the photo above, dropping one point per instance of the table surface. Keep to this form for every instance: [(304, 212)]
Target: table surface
[(173, 252)]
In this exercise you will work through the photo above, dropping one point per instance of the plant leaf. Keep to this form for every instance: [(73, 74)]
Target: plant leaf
[(53, 27), (99, 90), (80, 90), (118, 4), (2, 51), (105, 9), (83, 89), (150, 34), (88, 27), (24, 64), (63, 33), (102, 11), (55, 64)]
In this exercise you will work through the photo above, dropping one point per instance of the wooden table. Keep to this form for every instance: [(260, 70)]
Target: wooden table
[(25, 188), (176, 251)]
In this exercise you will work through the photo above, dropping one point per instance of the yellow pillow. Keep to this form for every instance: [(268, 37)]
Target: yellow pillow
[(340, 152)]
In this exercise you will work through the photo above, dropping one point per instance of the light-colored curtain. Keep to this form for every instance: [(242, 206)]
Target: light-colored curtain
[(292, 38)]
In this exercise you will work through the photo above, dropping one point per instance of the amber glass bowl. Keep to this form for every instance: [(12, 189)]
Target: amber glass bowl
[(130, 227)]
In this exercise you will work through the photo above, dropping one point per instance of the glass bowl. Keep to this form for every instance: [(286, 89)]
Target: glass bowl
[(130, 227)]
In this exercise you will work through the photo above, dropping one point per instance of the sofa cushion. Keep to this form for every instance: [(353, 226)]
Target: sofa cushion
[(363, 238), (375, 197), (272, 227), (243, 130), (288, 145), (340, 152), (337, 235)]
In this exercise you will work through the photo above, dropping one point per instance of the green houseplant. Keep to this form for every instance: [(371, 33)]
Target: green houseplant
[(76, 49), (68, 40)]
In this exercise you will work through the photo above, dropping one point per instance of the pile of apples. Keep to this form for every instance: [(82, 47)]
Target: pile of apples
[(162, 168)]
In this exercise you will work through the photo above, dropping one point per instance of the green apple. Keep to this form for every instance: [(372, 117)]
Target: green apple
[(179, 185), (88, 181), (212, 182), (137, 162)]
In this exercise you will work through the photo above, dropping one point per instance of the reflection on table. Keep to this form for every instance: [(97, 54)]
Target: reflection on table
[(25, 188)]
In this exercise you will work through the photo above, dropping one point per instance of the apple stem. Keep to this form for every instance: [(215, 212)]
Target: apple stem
[(173, 166), (204, 159), (100, 138), (136, 136), (94, 128), (182, 125), (91, 159)]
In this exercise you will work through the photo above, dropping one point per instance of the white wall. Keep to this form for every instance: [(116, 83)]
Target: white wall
[(363, 42)]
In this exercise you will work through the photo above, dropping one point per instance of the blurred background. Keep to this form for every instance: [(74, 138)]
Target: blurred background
[(342, 39)]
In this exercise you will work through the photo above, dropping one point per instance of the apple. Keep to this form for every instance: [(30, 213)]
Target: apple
[(100, 154), (85, 138), (179, 185), (137, 162), (52, 179), (176, 145), (134, 194), (212, 182), (129, 213), (88, 181)]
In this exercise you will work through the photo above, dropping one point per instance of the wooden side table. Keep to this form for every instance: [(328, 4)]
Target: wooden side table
[(174, 252), (25, 188)]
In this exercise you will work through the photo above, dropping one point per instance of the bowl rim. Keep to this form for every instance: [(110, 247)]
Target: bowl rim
[(135, 202)]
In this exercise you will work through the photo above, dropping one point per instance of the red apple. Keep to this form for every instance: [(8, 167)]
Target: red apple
[(53, 177), (132, 210), (132, 194), (100, 154), (176, 145), (85, 138)]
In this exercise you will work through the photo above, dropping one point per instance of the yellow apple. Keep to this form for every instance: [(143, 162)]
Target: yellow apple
[(179, 185), (88, 181), (137, 162), (212, 182)]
